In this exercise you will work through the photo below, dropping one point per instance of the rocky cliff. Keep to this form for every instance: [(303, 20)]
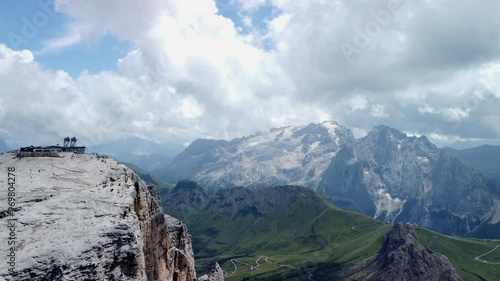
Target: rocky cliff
[(81, 218), (393, 177), (216, 274), (402, 257)]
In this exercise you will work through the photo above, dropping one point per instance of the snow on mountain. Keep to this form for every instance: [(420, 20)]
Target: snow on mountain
[(387, 174), (287, 155), (393, 177)]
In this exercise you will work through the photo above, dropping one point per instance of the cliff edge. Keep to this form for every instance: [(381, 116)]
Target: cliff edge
[(79, 217)]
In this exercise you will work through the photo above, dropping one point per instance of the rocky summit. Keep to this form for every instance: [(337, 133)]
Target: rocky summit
[(402, 258), (79, 217), (394, 177)]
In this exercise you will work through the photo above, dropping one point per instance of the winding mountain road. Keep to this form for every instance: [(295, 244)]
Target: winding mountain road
[(235, 267), (310, 275), (478, 258), (257, 261), (252, 267), (266, 259), (357, 231)]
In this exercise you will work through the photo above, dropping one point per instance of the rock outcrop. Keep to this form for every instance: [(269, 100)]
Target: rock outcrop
[(402, 257), (216, 274), (81, 218), (181, 250)]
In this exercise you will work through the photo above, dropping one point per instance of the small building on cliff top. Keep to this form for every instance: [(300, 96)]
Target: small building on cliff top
[(51, 151)]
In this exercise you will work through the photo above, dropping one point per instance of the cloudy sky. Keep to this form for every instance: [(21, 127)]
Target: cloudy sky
[(175, 70)]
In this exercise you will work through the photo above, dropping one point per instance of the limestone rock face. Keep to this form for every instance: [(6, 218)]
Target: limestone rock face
[(181, 249), (217, 274), (401, 258), (404, 258), (81, 218)]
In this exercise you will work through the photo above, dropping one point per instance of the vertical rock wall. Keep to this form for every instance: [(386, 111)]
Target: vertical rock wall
[(80, 217)]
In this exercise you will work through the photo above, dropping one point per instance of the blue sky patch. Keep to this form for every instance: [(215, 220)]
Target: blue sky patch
[(28, 24)]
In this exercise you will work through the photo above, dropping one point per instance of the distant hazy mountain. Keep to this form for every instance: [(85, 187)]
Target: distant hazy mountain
[(145, 154), (288, 155), (393, 177), (485, 159), (3, 146)]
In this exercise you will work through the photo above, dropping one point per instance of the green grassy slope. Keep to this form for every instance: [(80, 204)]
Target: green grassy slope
[(299, 232), (462, 254), (289, 225), (326, 239)]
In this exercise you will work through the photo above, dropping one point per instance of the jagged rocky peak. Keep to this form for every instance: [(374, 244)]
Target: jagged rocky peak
[(201, 145), (181, 250), (388, 138), (387, 134), (287, 155), (82, 218), (403, 258), (393, 177), (383, 130), (216, 274)]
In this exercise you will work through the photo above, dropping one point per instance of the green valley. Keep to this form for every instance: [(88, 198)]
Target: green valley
[(292, 233)]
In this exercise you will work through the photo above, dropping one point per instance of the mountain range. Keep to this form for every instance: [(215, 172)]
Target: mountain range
[(288, 155), (386, 174), (83, 217), (393, 177)]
